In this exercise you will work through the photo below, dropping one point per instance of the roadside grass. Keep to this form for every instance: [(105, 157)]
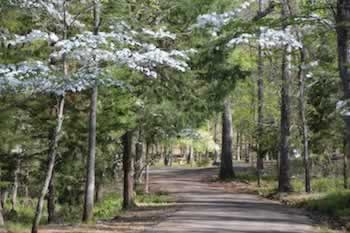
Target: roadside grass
[(108, 207), (328, 200)]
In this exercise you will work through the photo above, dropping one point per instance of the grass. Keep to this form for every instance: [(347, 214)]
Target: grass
[(108, 207), (328, 198), (334, 204)]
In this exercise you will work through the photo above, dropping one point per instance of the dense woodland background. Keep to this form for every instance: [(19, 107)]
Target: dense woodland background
[(94, 92)]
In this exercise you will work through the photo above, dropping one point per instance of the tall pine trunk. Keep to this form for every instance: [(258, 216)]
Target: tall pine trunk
[(53, 146), (216, 140), (90, 167), (90, 164), (343, 32), (2, 222), (147, 163), (139, 159), (304, 126), (226, 166), (16, 182), (54, 137), (51, 204), (260, 130), (284, 177), (345, 167), (128, 169)]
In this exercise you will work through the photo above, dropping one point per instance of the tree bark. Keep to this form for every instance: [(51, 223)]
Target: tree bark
[(15, 183), (238, 143), (4, 198), (284, 177), (216, 140), (190, 155), (53, 145), (302, 113), (90, 168), (51, 204), (343, 33), (2, 222), (260, 130), (98, 191), (226, 167), (139, 159), (345, 167), (128, 168), (90, 164), (147, 162)]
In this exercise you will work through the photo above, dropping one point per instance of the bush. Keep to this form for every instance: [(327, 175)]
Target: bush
[(109, 207), (319, 185), (335, 204)]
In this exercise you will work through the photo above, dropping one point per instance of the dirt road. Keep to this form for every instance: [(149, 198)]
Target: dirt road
[(205, 208)]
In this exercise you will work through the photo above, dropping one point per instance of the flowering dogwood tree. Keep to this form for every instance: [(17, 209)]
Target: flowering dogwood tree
[(94, 52)]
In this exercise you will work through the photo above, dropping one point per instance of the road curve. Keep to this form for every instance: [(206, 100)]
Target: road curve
[(208, 209)]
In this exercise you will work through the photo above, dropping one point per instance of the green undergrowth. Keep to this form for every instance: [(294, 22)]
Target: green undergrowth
[(108, 207), (111, 205), (328, 199)]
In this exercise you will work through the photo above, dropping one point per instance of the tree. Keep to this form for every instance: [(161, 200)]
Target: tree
[(128, 168), (343, 32), (2, 222), (284, 176), (90, 168), (226, 168)]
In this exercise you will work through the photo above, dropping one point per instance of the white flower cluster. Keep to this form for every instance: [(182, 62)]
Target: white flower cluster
[(89, 50), (146, 62), (217, 21), (35, 77), (343, 108), (269, 38), (20, 40), (93, 53), (160, 34)]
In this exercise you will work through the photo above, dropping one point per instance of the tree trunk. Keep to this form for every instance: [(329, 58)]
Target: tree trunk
[(343, 32), (90, 164), (98, 191), (284, 178), (147, 162), (345, 167), (51, 204), (260, 131), (53, 145), (238, 139), (139, 159), (4, 198), (90, 168), (216, 140), (226, 167), (302, 112), (15, 183), (128, 168), (190, 155), (2, 222)]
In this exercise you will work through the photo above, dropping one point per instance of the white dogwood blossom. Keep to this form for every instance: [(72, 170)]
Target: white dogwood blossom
[(92, 55), (18, 40), (160, 34), (87, 48), (268, 38), (216, 21), (36, 77)]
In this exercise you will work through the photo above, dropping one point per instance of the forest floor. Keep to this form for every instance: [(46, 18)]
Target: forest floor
[(134, 221)]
